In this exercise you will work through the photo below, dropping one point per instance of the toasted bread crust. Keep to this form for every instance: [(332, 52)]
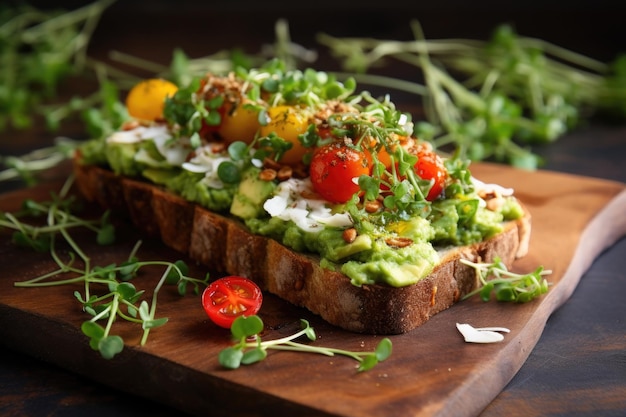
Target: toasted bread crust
[(225, 246)]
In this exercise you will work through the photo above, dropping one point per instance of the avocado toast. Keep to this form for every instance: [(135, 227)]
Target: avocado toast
[(323, 196)]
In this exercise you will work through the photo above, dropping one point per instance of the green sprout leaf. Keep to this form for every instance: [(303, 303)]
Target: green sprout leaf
[(110, 346), (92, 330), (228, 172), (253, 356), (246, 326), (106, 235), (230, 357), (238, 151)]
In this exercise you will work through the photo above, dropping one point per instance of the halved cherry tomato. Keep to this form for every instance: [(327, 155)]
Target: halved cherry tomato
[(146, 100), (229, 297), (335, 168)]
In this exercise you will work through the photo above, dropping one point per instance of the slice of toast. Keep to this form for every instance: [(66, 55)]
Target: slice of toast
[(224, 245)]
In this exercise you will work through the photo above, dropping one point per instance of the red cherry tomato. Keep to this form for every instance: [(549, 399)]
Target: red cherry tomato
[(334, 170), (229, 297), (430, 166)]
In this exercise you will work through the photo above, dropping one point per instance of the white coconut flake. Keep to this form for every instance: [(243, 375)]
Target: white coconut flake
[(481, 335), (308, 213), (195, 168), (333, 220), (174, 152), (206, 161), (275, 205)]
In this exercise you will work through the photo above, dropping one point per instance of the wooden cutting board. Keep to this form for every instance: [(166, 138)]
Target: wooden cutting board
[(431, 372)]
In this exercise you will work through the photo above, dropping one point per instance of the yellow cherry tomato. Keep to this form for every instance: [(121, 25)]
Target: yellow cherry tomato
[(239, 124), (146, 100), (288, 122)]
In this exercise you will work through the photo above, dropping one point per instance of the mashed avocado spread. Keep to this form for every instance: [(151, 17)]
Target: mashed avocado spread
[(387, 231)]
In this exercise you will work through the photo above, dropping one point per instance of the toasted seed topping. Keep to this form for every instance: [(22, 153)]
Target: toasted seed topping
[(271, 164), (267, 175), (130, 125), (349, 235), (399, 242), (284, 173), (373, 206)]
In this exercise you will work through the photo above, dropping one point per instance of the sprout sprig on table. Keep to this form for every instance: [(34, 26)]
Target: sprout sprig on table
[(120, 298), (250, 348)]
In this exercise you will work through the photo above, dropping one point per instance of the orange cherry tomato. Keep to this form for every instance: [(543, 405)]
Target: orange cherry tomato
[(236, 124), (239, 124), (383, 154), (335, 169), (146, 100), (229, 297), (384, 157)]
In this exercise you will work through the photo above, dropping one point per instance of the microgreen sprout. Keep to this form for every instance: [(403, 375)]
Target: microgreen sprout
[(248, 352), (517, 92), (124, 301), (40, 49), (506, 285), (120, 299), (59, 221), (26, 167)]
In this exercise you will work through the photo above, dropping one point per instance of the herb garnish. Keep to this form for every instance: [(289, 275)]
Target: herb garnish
[(246, 352), (506, 285)]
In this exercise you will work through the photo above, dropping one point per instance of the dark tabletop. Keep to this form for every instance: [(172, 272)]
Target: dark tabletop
[(578, 367)]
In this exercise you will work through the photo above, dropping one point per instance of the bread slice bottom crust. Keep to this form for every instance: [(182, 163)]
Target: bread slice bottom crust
[(225, 246)]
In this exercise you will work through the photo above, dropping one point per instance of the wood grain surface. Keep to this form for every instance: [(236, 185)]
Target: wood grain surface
[(432, 371)]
